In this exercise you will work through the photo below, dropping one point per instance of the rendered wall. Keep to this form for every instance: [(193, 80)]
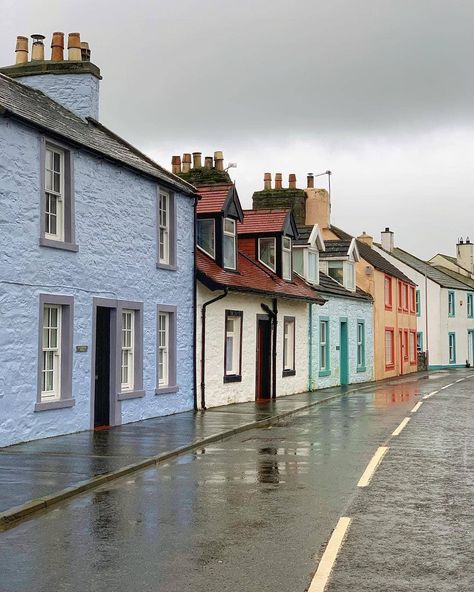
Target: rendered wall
[(220, 393), (116, 234)]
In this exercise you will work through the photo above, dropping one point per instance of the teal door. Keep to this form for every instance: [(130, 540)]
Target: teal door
[(344, 354)]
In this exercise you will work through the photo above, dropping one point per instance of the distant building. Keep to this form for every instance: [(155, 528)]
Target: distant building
[(96, 284)]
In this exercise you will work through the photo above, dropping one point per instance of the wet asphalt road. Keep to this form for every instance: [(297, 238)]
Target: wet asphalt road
[(252, 513)]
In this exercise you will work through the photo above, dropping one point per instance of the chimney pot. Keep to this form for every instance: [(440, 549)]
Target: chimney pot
[(310, 181), (267, 181), (208, 162), (197, 160), (186, 162), (176, 164), (57, 47), (21, 50), (219, 160), (85, 52), (74, 47), (278, 181), (37, 51), (292, 181)]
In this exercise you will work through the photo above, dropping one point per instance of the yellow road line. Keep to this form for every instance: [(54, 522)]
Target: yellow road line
[(371, 467), (416, 407), (328, 559), (401, 426)]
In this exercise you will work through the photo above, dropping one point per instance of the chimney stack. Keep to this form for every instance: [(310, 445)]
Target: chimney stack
[(278, 181), (21, 50), (292, 181), (310, 181), (85, 52), (37, 51), (219, 160), (465, 255), (387, 240), (267, 181), (186, 162), (74, 47), (57, 47), (208, 162), (197, 161), (366, 239), (176, 165)]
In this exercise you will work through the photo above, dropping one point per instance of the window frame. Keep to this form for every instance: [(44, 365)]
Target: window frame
[(412, 347), (470, 305), (226, 233), (349, 272), (213, 220), (452, 335), (137, 390), (412, 299), (388, 281), (314, 252), (406, 297), (65, 398), (406, 346), (336, 261), (268, 238), (128, 350), (418, 302), (360, 361), (172, 386), (289, 322), (389, 365), (170, 263), (67, 240), (451, 300), (324, 370), (286, 250), (233, 376), (419, 342)]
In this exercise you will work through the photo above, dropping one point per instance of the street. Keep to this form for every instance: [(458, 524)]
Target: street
[(254, 513)]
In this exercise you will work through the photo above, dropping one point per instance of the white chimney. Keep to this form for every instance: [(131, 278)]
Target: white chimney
[(387, 240), (465, 254)]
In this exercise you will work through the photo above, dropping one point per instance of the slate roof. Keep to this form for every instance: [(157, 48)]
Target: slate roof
[(32, 106), (304, 232), (468, 282), (336, 248), (252, 277), (263, 221), (327, 285), (433, 273), (374, 258)]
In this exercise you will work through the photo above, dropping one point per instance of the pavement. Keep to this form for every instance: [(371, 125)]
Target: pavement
[(35, 475)]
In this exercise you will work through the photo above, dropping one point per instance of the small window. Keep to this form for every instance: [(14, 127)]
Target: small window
[(400, 295), (128, 350), (470, 306), (324, 368), (163, 348), (206, 236), (405, 297), (388, 291), (51, 370), (413, 347), (286, 258), (389, 349), (230, 261), (418, 303), (289, 346), (405, 345), (452, 347), (451, 304), (267, 252), (336, 271), (360, 346), (164, 228), (412, 299), (313, 266), (419, 342), (233, 346), (166, 350)]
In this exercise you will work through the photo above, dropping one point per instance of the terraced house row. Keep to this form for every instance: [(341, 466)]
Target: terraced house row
[(128, 291)]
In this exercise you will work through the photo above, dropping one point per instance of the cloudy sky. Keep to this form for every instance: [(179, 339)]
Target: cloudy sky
[(378, 91)]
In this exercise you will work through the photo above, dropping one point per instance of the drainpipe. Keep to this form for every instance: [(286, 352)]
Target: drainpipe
[(310, 353), (427, 350), (195, 400), (273, 314), (203, 345)]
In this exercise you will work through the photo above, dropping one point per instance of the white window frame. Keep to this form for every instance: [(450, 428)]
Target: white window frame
[(233, 335), (349, 275), (311, 252), (50, 193), (360, 344), (267, 238), (323, 345), (163, 349), (286, 254), (391, 340), (233, 235), (164, 211), (213, 253), (52, 352), (127, 358), (338, 264), (289, 337)]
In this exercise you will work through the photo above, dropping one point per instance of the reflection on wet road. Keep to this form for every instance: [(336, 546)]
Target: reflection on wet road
[(247, 514)]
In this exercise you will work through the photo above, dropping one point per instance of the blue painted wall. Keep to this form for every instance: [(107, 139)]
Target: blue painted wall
[(335, 309), (116, 234)]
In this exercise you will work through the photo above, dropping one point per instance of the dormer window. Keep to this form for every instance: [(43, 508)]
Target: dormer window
[(206, 236), (229, 244), (336, 271), (267, 252), (349, 276), (286, 258), (313, 266)]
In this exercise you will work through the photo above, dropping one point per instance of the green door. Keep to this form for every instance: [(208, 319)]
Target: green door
[(344, 354)]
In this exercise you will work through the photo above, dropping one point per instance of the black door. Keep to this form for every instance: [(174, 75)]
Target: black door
[(102, 368), (264, 362)]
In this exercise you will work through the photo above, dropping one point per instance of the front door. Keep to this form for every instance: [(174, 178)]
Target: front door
[(264, 360), (102, 368), (344, 354)]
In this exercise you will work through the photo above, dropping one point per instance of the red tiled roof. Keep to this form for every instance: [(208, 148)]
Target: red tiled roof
[(257, 221), (252, 277), (212, 198)]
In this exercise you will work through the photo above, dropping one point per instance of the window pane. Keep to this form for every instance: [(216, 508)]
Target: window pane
[(335, 270), (229, 354), (286, 265), (229, 251), (206, 236), (267, 252), (229, 226), (312, 266)]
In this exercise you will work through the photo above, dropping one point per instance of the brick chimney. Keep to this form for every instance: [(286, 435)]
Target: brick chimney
[(267, 181), (186, 162), (73, 82), (176, 164), (292, 181), (465, 254), (387, 240), (278, 181)]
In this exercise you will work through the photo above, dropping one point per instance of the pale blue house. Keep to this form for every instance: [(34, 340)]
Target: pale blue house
[(96, 284)]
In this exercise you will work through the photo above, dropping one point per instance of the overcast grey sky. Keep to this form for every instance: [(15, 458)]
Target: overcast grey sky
[(379, 91)]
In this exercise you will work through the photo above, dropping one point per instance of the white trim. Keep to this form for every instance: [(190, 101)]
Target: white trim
[(164, 227), (50, 194), (274, 252), (285, 250), (52, 353), (127, 359), (234, 236), (163, 349)]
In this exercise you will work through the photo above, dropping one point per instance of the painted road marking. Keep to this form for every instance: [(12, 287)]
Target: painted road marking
[(416, 407), (372, 466), (401, 426), (430, 395), (446, 386), (459, 379), (328, 559)]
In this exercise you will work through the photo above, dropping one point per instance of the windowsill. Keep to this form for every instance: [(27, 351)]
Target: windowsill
[(59, 404), (324, 373), (389, 366), (168, 266), (288, 373), (123, 396), (387, 307), (233, 378), (361, 369), (63, 246), (451, 316), (165, 390), (230, 270)]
